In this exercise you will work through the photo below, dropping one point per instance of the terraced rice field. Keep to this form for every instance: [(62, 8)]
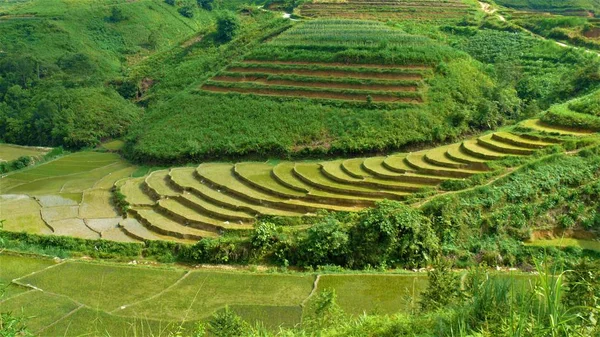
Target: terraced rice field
[(68, 196), (307, 61), (422, 10), (10, 152), (185, 204), (76, 298)]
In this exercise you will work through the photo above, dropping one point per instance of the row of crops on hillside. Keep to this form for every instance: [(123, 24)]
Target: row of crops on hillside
[(388, 10), (345, 60)]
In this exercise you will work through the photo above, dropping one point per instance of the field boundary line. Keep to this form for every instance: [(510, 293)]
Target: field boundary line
[(313, 291), (122, 307), (31, 286), (17, 295), (61, 318), (18, 279)]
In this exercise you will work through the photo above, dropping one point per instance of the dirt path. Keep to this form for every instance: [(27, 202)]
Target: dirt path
[(489, 10)]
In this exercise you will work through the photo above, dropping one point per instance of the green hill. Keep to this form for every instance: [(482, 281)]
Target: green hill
[(62, 64)]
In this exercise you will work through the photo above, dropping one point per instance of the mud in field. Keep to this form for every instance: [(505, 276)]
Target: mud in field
[(340, 64), (336, 85), (328, 73), (313, 94)]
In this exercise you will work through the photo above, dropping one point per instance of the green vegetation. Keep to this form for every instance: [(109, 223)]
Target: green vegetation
[(561, 7)]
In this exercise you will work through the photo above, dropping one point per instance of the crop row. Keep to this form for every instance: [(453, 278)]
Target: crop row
[(185, 204)]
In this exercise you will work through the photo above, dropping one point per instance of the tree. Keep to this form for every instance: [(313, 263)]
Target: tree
[(326, 243), (170, 2), (227, 26), (116, 15), (187, 11), (206, 4), (392, 234)]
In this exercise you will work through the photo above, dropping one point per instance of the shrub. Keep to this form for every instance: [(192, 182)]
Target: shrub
[(226, 323), (206, 4), (443, 286), (116, 15), (170, 2), (187, 11), (227, 26)]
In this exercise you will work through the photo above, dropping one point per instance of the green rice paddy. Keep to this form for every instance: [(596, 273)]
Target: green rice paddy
[(73, 298)]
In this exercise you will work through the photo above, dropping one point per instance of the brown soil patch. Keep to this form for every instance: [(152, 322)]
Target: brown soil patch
[(312, 94), (592, 33), (336, 85), (192, 41), (327, 73), (340, 64)]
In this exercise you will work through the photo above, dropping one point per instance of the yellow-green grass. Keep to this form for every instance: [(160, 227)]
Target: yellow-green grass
[(221, 176), (567, 242), (91, 322), (382, 294), (311, 174), (58, 200), (258, 175), (158, 186), (516, 140), (109, 229), (417, 161), (537, 125), (22, 214), (13, 266), (108, 181), (73, 173), (38, 309), (190, 217), (134, 194), (201, 293), (284, 173), (488, 141), (10, 152), (262, 177), (473, 148), (206, 207), (333, 170), (437, 156), (354, 167), (59, 213), (185, 178), (395, 168), (97, 203), (114, 145), (458, 155), (72, 227), (164, 225), (101, 286), (135, 230)]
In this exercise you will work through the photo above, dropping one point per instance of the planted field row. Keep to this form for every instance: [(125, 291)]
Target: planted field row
[(319, 80), (317, 93), (185, 204)]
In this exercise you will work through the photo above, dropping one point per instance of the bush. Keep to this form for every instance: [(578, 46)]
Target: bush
[(187, 11), (443, 286), (116, 15), (228, 25), (226, 323), (206, 4), (170, 2)]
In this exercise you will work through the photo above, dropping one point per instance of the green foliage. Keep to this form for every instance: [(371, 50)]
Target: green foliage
[(116, 15), (326, 243), (391, 234), (228, 25), (13, 326), (187, 11), (227, 323), (443, 286), (206, 4), (119, 200), (323, 312), (25, 161)]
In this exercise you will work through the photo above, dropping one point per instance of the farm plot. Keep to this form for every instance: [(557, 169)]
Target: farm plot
[(188, 204), (10, 152), (63, 196), (421, 10), (76, 298), (339, 60)]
